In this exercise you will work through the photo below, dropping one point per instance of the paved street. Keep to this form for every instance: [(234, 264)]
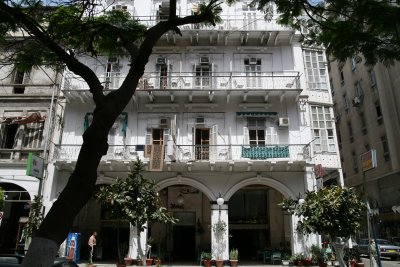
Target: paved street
[(385, 263)]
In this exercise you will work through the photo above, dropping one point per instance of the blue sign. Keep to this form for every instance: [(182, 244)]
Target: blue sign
[(73, 247)]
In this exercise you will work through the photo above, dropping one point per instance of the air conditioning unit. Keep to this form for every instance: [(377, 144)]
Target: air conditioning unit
[(164, 122), (161, 61), (283, 122), (356, 101), (113, 60), (253, 61), (204, 60), (200, 120)]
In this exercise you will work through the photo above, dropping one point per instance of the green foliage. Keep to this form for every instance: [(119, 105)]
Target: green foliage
[(344, 27), (317, 255), (35, 218), (68, 28), (297, 257), (234, 254), (134, 199), (1, 199), (332, 211), (206, 255), (219, 228)]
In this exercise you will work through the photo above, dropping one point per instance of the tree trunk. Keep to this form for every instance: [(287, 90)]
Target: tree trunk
[(81, 183)]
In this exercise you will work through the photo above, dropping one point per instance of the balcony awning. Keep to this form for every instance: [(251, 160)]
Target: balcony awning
[(34, 117), (256, 114)]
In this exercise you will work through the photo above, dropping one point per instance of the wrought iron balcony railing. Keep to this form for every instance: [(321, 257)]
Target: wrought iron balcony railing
[(189, 81), (248, 21), (185, 153)]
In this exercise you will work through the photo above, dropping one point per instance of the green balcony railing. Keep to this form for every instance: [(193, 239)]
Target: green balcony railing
[(265, 152)]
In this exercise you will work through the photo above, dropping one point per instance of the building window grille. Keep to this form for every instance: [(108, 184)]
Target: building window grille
[(322, 124), (378, 112), (315, 67), (372, 78), (350, 128), (385, 147)]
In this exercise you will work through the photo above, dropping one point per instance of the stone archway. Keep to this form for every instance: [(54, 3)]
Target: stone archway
[(189, 201), (255, 219), (16, 213)]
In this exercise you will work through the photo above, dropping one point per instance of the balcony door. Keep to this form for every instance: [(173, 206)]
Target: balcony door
[(112, 73), (203, 72), (253, 72), (202, 143), (206, 143), (164, 71)]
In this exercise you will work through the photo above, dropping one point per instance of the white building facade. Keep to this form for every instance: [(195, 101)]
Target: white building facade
[(30, 117), (239, 111)]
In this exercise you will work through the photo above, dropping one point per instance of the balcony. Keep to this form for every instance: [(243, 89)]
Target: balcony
[(244, 22), (189, 81), (192, 154), (18, 155)]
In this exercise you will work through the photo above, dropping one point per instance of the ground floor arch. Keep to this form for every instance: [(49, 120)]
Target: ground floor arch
[(16, 213), (256, 223), (185, 240)]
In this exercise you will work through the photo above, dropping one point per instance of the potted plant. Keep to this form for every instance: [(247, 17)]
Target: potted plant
[(128, 260), (286, 259), (317, 256), (298, 259), (139, 261), (234, 257), (334, 211), (206, 258), (219, 229), (34, 221), (146, 208)]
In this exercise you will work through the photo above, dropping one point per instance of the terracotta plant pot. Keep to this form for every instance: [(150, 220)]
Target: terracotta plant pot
[(157, 262), (219, 263), (128, 261), (234, 263), (207, 263), (139, 262), (149, 262)]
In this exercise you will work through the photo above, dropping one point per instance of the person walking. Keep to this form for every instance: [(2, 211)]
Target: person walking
[(91, 244)]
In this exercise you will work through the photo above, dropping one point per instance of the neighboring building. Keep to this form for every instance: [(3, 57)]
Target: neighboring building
[(367, 108), (29, 122), (239, 111)]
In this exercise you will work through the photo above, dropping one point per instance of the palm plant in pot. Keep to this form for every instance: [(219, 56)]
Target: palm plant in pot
[(334, 211), (206, 257), (219, 229), (234, 257), (134, 199)]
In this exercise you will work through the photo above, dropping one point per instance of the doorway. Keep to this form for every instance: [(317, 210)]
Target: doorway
[(184, 243), (202, 142)]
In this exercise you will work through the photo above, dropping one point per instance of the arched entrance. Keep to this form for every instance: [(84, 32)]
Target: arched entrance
[(16, 213), (95, 217), (256, 222), (185, 240)]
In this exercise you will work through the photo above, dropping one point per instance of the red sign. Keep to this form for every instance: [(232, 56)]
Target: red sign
[(319, 171), (368, 160)]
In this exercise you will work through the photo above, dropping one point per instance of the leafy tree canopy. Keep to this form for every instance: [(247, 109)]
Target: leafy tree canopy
[(134, 199), (346, 28), (331, 211), (79, 27)]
